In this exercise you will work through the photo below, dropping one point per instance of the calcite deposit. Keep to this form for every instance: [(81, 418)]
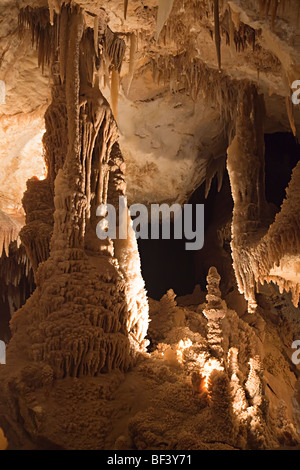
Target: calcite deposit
[(150, 102)]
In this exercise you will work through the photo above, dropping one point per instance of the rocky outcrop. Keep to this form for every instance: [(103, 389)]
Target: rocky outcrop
[(145, 100), (101, 330)]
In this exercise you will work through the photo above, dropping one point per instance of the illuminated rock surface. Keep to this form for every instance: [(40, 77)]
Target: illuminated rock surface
[(161, 106)]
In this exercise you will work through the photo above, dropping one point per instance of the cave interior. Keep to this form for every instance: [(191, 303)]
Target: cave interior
[(138, 343)]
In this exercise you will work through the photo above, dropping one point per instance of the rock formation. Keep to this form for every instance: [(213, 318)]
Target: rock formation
[(148, 102), (85, 170), (215, 311)]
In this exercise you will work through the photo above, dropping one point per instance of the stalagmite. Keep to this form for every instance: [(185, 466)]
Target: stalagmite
[(258, 248), (126, 252), (221, 404), (3, 441), (254, 384), (239, 402), (102, 332), (214, 312), (245, 164)]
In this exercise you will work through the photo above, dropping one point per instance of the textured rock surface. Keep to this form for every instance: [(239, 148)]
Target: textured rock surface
[(162, 97), (157, 125)]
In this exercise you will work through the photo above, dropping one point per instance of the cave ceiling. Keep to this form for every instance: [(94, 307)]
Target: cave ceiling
[(169, 129)]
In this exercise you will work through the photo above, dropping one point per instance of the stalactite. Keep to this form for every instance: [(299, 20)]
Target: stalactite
[(281, 238), (261, 8), (217, 32), (78, 336), (274, 8), (115, 48), (63, 43), (215, 167), (267, 7), (96, 32), (44, 36), (16, 280), (231, 28), (133, 46), (125, 8), (9, 231), (51, 11), (290, 113), (163, 13), (196, 76), (54, 7), (261, 250), (245, 165), (114, 90)]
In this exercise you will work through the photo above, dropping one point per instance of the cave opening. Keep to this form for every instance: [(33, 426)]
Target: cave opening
[(282, 153), (167, 264)]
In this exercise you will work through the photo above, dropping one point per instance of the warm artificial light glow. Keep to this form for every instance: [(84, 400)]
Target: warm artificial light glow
[(34, 148), (182, 345), (209, 366), (22, 159)]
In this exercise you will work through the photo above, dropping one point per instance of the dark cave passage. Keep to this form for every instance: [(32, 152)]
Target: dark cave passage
[(187, 339), (167, 264), (282, 153), (14, 291), (216, 249), (4, 321)]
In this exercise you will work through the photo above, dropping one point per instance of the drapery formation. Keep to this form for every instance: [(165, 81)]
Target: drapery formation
[(261, 251), (100, 330)]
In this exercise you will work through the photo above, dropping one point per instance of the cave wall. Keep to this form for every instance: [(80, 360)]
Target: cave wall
[(152, 107)]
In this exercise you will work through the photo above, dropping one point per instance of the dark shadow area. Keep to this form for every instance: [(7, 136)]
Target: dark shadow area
[(166, 264), (216, 250), (282, 153), (16, 286)]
